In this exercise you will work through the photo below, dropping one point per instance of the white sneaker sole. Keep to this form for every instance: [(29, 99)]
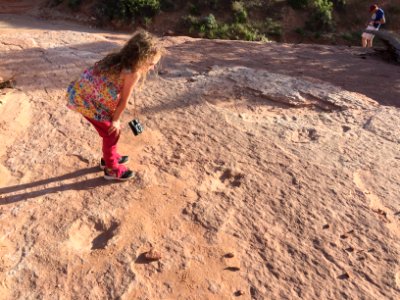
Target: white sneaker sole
[(108, 177)]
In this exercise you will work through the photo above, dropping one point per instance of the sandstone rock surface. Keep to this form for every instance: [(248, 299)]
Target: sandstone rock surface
[(286, 155)]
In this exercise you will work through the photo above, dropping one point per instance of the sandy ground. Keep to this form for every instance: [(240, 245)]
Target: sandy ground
[(285, 156)]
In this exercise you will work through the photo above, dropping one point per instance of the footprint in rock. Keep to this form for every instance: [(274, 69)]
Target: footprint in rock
[(375, 203), (346, 128), (325, 226), (343, 276), (312, 134), (6, 249), (305, 135), (107, 232), (80, 235), (86, 235), (235, 180), (381, 213), (232, 269)]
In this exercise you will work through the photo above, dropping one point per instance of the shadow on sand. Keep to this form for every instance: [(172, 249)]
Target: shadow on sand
[(23, 194)]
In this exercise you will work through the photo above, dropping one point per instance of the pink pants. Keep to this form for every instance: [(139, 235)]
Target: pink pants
[(110, 154)]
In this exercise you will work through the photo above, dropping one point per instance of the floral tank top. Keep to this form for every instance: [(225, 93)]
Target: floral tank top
[(95, 94)]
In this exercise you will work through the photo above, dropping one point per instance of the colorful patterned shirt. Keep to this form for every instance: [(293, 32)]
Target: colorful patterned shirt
[(95, 94)]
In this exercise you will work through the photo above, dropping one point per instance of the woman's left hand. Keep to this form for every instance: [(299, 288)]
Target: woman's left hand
[(115, 128)]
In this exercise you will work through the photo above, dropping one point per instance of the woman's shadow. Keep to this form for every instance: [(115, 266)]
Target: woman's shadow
[(86, 184)]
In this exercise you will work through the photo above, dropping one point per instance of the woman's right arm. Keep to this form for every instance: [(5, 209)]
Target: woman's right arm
[(130, 81)]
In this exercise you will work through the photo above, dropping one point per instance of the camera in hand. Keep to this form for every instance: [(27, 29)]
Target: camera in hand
[(136, 127)]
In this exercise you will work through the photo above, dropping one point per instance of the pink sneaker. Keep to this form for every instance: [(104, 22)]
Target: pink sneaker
[(121, 174)]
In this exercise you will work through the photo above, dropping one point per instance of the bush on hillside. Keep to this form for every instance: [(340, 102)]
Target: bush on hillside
[(239, 12), (128, 10), (321, 16), (208, 27), (272, 27), (246, 32), (204, 27)]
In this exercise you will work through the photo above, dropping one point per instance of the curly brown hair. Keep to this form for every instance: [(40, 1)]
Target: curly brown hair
[(139, 49)]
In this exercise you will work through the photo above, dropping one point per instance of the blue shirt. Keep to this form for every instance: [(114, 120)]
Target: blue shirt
[(378, 16)]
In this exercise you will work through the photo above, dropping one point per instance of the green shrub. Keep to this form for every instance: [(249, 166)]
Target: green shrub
[(272, 27), (196, 25), (237, 6), (208, 27), (190, 21), (147, 22), (128, 9), (211, 22), (223, 31), (242, 32), (321, 16), (239, 12)]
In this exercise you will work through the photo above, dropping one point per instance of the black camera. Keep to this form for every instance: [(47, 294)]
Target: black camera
[(136, 127)]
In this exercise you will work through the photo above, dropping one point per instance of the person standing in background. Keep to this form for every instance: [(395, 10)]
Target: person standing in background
[(377, 19)]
